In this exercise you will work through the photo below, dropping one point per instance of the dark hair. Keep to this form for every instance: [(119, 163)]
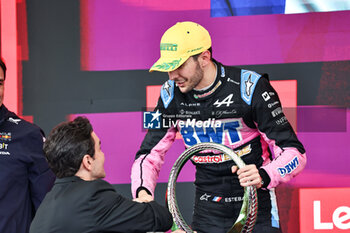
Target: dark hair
[(3, 67), (67, 144), (195, 57)]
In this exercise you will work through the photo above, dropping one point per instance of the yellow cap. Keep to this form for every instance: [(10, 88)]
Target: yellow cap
[(180, 42)]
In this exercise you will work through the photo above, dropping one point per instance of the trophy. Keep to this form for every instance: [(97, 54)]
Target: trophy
[(247, 216)]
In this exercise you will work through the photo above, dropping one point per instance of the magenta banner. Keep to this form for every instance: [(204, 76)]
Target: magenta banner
[(125, 35)]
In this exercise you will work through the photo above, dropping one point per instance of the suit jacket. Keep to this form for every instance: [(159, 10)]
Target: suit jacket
[(25, 176), (78, 206)]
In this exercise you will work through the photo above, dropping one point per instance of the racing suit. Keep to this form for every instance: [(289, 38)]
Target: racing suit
[(242, 111), (25, 177)]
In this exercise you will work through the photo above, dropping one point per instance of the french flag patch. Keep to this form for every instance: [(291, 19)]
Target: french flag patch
[(217, 199)]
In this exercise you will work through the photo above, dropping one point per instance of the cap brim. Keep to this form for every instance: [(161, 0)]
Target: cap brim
[(168, 64)]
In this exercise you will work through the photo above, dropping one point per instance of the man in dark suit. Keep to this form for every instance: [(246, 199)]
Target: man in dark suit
[(80, 201), (25, 176)]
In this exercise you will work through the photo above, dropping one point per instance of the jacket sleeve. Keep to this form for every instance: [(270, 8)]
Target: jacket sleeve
[(150, 158), (289, 154), (41, 178), (114, 213)]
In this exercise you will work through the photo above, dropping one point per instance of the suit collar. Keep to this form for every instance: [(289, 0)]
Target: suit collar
[(68, 179)]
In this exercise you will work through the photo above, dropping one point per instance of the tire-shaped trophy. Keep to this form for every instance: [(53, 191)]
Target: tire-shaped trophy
[(247, 216)]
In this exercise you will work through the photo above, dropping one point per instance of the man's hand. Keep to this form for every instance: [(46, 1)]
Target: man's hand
[(248, 175), (143, 197)]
